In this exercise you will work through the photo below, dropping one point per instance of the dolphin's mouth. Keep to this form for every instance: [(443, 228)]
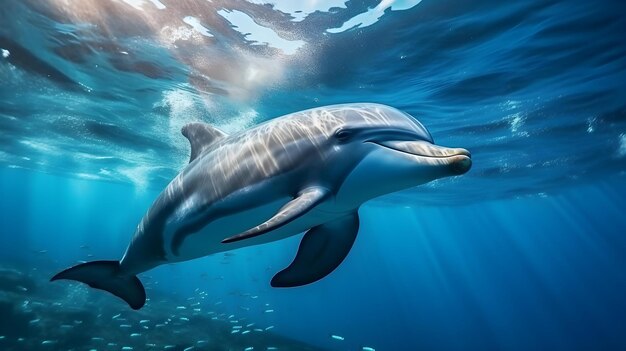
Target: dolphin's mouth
[(460, 159)]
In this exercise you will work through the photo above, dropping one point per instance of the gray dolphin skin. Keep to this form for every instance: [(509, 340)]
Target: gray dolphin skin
[(304, 172)]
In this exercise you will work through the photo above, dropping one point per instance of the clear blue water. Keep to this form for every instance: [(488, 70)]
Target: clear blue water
[(526, 251)]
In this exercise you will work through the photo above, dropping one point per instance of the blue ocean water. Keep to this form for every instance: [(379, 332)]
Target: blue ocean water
[(526, 251)]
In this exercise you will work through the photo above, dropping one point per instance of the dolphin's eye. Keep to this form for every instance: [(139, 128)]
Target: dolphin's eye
[(343, 135)]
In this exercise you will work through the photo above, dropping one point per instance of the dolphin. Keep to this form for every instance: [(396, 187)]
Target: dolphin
[(308, 171)]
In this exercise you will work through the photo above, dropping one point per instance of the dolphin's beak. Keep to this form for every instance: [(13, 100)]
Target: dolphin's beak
[(459, 160)]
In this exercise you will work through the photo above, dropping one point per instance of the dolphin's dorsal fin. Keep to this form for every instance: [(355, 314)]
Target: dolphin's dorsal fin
[(306, 200), (200, 136)]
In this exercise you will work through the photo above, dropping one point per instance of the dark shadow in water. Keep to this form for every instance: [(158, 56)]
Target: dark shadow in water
[(28, 61), (38, 315)]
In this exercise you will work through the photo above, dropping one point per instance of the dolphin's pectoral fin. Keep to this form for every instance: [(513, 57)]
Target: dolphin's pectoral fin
[(200, 136), (322, 249), (306, 200)]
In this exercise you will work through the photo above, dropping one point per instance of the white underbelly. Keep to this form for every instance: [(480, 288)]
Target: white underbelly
[(208, 240)]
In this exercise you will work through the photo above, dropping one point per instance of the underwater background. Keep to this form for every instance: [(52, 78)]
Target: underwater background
[(526, 251)]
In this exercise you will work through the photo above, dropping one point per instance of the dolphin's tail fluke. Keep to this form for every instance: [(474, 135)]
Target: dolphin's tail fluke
[(106, 275)]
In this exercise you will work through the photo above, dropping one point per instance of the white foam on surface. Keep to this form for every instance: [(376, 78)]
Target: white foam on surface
[(299, 10), (258, 34), (372, 16), (197, 26), (170, 35)]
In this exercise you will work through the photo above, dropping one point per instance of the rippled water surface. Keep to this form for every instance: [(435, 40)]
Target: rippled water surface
[(524, 252), (100, 89)]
